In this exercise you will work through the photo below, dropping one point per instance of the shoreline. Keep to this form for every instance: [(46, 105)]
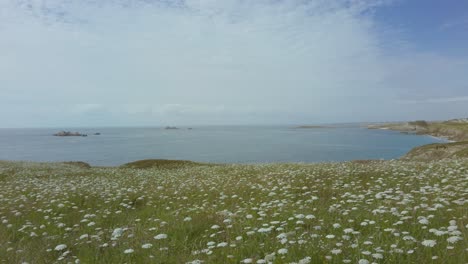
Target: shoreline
[(450, 131)]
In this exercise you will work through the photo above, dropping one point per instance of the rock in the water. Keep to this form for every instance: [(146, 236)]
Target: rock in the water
[(69, 134)]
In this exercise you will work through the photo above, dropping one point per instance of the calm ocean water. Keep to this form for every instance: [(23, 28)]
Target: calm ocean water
[(222, 144)]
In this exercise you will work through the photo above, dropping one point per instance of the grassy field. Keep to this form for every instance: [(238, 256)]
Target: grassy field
[(353, 212)]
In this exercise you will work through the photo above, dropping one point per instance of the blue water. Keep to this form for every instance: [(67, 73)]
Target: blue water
[(235, 144)]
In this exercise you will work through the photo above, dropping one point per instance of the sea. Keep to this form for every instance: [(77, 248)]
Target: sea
[(214, 144)]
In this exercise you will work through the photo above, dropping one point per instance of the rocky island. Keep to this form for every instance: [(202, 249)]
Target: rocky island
[(69, 134)]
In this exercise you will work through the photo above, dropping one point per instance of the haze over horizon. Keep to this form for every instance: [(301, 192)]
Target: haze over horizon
[(67, 63)]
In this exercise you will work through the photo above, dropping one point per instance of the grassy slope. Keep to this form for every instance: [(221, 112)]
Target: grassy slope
[(384, 202), (438, 151)]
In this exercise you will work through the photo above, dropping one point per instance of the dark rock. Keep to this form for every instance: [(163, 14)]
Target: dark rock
[(69, 134)]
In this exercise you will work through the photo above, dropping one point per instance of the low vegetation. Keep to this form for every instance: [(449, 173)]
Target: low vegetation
[(143, 212), (439, 151)]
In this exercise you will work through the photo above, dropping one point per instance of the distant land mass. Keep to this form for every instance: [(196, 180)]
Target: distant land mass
[(312, 126), (454, 129)]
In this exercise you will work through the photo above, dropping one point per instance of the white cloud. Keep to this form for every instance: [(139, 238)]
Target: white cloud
[(209, 61)]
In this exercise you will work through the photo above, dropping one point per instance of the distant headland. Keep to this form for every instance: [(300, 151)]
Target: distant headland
[(312, 127), (454, 129)]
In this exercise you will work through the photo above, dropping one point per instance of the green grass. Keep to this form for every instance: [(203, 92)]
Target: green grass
[(43, 205), (462, 153), (438, 151)]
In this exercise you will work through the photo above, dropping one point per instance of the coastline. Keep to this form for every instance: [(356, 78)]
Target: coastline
[(450, 130)]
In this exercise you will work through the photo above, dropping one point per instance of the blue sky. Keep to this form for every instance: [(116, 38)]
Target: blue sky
[(206, 62), (429, 25)]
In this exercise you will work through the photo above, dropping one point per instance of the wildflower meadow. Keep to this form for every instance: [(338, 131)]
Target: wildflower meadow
[(351, 212)]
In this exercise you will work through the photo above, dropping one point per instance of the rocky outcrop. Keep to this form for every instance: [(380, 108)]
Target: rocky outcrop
[(69, 134)]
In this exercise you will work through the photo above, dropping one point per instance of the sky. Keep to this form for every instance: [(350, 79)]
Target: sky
[(73, 63)]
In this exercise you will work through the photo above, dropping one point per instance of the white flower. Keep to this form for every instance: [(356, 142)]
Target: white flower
[(197, 261), (429, 243), (187, 219), (453, 239), (299, 216), (129, 251), (147, 245), (222, 244), (363, 261), (452, 228), (377, 256), (264, 230), (310, 216), (282, 251), (424, 221), (160, 236), (84, 236), (215, 227), (211, 243), (60, 247), (281, 236), (117, 233), (330, 236), (336, 251), (247, 260), (305, 260)]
